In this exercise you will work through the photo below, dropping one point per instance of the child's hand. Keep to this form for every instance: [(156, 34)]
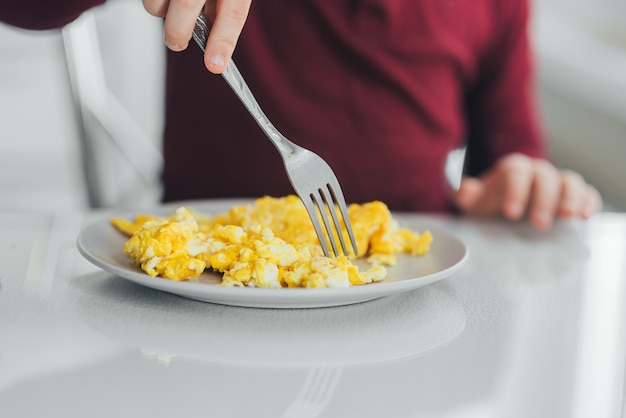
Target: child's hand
[(228, 17), (519, 186)]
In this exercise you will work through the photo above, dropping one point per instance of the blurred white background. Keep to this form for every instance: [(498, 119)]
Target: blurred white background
[(115, 56), (581, 58)]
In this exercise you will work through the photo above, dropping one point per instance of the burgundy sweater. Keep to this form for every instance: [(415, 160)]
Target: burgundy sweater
[(381, 89)]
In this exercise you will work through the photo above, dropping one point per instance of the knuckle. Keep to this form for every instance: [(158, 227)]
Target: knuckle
[(224, 42), (237, 13), (515, 162), (188, 4), (544, 168), (572, 177)]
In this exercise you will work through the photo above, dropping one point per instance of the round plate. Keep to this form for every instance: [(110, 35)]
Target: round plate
[(103, 245)]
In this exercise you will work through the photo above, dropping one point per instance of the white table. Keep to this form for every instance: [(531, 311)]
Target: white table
[(532, 326)]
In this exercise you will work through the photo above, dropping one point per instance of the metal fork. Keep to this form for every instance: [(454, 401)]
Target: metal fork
[(311, 177)]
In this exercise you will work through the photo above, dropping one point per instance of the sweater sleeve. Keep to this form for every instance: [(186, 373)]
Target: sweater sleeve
[(43, 14), (500, 107)]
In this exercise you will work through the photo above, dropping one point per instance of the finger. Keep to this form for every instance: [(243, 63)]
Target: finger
[(515, 174), (470, 195), (229, 20), (180, 21), (592, 204), (574, 194), (156, 8), (546, 194)]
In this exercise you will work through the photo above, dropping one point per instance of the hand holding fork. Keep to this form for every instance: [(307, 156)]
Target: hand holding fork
[(311, 177)]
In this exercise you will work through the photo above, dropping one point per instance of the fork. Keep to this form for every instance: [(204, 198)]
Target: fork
[(311, 177)]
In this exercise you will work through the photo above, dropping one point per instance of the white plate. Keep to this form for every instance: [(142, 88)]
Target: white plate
[(103, 245)]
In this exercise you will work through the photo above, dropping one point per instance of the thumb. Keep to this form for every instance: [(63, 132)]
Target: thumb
[(470, 194)]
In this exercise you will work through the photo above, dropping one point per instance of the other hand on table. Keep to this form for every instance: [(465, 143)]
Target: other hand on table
[(518, 186)]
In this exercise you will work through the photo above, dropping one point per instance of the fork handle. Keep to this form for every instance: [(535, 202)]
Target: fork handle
[(236, 82)]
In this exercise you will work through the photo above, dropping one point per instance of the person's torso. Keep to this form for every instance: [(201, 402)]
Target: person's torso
[(375, 87)]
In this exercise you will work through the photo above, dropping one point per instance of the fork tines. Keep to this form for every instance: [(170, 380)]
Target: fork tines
[(324, 201)]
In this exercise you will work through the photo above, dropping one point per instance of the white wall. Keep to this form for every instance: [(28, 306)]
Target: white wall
[(581, 52)]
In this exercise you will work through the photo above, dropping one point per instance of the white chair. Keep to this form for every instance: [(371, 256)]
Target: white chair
[(115, 59)]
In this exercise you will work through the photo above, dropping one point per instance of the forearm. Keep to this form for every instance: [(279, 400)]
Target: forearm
[(43, 14)]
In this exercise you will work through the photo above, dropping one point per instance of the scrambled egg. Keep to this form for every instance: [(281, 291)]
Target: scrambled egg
[(271, 243)]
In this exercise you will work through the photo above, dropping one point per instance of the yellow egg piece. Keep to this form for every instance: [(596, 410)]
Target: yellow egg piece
[(270, 243)]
